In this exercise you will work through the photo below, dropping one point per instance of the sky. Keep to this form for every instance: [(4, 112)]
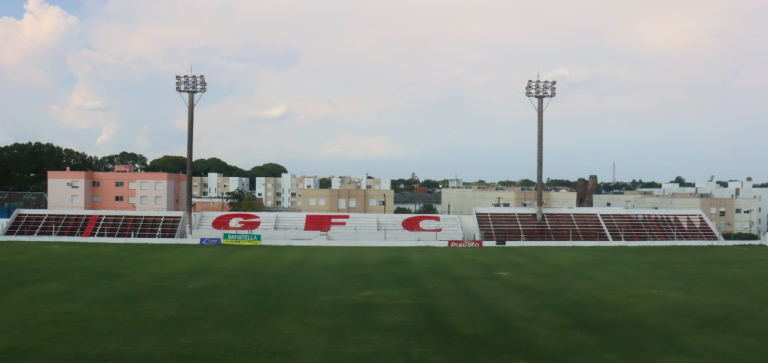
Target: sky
[(348, 87)]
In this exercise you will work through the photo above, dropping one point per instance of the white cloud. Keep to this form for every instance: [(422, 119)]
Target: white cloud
[(373, 148), (382, 82), (106, 133), (42, 27), (273, 114), (143, 142)]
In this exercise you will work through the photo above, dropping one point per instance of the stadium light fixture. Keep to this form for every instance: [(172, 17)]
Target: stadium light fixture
[(540, 90), (190, 84)]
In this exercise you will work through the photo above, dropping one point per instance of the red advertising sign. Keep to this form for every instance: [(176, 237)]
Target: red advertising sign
[(465, 243)]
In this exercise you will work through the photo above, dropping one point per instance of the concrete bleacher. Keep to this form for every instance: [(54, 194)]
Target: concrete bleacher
[(348, 227), (594, 225)]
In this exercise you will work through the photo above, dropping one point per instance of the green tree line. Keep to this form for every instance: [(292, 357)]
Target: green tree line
[(25, 166)]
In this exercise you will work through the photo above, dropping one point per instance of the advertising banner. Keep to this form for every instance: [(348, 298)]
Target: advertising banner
[(210, 241), (465, 243), (242, 239)]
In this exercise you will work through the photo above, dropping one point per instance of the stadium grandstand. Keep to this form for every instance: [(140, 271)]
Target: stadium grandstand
[(493, 226), (594, 225)]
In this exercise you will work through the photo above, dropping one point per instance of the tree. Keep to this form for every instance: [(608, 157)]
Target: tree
[(749, 179), (268, 170), (431, 184), (526, 183), (244, 201), (507, 183), (201, 167), (168, 164), (414, 178), (325, 183), (402, 210), (25, 166), (680, 180), (138, 161), (427, 208)]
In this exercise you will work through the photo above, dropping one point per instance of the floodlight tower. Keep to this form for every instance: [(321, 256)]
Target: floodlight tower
[(190, 85), (540, 90)]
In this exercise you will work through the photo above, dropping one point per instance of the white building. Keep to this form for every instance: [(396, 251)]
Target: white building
[(735, 208)]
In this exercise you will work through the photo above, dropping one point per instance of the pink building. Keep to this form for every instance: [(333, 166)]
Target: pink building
[(123, 189)]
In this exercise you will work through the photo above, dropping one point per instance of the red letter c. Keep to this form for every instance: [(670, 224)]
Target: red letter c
[(413, 224)]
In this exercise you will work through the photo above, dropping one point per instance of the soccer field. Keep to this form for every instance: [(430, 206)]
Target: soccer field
[(187, 303)]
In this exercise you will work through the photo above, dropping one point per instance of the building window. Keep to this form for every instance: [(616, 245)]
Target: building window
[(321, 201), (312, 201), (279, 194), (309, 187), (712, 211), (607, 204), (143, 200), (96, 184), (278, 203), (144, 185), (194, 185), (194, 193), (158, 185), (75, 199), (722, 225), (372, 202), (505, 205), (269, 203), (225, 185), (367, 187), (293, 195), (269, 194), (258, 195), (205, 194), (205, 185), (738, 210), (342, 204), (132, 199), (132, 185), (299, 203), (119, 184), (722, 213), (375, 187), (118, 198), (158, 200), (269, 185), (96, 198), (353, 203)]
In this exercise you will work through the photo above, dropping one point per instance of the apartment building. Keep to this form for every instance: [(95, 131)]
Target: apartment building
[(285, 191), (217, 185), (346, 200), (361, 182), (735, 208), (462, 201), (123, 189)]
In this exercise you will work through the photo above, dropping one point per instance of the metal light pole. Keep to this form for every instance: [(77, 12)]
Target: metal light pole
[(540, 90), (190, 85)]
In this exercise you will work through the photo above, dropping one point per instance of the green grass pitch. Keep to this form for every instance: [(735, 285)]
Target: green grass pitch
[(87, 302)]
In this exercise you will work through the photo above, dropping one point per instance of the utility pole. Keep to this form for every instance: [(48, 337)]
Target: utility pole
[(190, 85), (540, 90), (614, 173)]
